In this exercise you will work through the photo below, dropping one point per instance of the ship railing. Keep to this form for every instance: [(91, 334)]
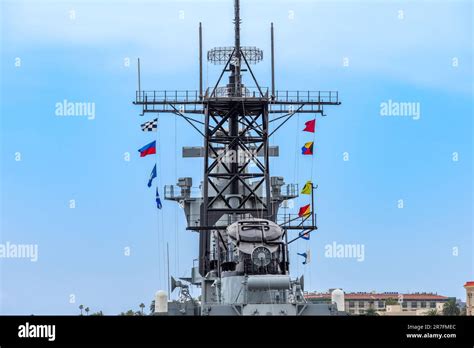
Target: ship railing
[(230, 92), (169, 96), (174, 192), (295, 221), (286, 221), (289, 190), (326, 97), (193, 97)]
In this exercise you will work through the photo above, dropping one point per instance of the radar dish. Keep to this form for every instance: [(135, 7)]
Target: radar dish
[(220, 55)]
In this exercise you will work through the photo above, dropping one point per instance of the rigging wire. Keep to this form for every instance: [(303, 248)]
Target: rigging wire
[(158, 220), (177, 205), (297, 179), (159, 214), (312, 180), (207, 75)]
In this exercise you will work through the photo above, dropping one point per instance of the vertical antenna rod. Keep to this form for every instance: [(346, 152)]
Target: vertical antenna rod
[(273, 63), (139, 88), (238, 77), (168, 262), (234, 119), (200, 61)]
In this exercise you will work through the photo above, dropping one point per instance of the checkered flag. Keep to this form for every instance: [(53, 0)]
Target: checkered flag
[(150, 126)]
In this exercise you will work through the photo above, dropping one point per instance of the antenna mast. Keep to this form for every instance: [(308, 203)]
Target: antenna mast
[(237, 54)]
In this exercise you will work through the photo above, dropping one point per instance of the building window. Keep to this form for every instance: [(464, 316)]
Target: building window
[(351, 304), (404, 305), (361, 304), (432, 304), (380, 304), (414, 304), (351, 311), (362, 311), (423, 304)]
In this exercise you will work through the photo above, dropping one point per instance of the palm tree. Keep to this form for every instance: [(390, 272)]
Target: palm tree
[(142, 306), (432, 312), (451, 308), (81, 307), (87, 310)]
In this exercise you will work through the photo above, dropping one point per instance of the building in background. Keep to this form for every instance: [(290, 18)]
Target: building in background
[(387, 303), (469, 286), (394, 310)]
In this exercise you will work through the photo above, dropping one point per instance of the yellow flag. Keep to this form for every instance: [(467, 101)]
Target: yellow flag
[(308, 187)]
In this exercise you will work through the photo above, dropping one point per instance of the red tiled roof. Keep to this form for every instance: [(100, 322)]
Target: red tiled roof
[(377, 297), (469, 284)]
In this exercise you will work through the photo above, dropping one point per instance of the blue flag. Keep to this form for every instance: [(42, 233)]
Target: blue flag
[(152, 176), (307, 257), (304, 235), (158, 200)]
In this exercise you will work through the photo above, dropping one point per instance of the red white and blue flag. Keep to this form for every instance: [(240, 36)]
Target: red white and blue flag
[(148, 149), (304, 235)]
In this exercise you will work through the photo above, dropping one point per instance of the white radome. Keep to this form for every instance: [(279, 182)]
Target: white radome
[(337, 296), (161, 302)]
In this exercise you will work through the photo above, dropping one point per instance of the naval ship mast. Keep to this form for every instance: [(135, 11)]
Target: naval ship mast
[(243, 240)]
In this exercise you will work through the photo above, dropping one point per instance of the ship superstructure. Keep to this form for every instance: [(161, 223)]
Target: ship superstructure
[(243, 239)]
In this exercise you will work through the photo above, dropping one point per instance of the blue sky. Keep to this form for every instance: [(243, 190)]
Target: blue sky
[(81, 250)]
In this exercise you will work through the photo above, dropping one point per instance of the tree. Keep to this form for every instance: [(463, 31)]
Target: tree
[(81, 307), (391, 301), (142, 307), (87, 310), (99, 313), (432, 312), (371, 312), (128, 313), (451, 308), (152, 307)]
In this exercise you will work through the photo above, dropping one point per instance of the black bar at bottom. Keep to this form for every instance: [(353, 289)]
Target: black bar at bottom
[(291, 331)]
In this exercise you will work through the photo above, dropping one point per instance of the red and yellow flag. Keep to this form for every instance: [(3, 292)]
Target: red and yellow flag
[(305, 211)]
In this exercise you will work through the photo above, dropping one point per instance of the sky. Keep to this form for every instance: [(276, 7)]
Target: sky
[(75, 186)]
